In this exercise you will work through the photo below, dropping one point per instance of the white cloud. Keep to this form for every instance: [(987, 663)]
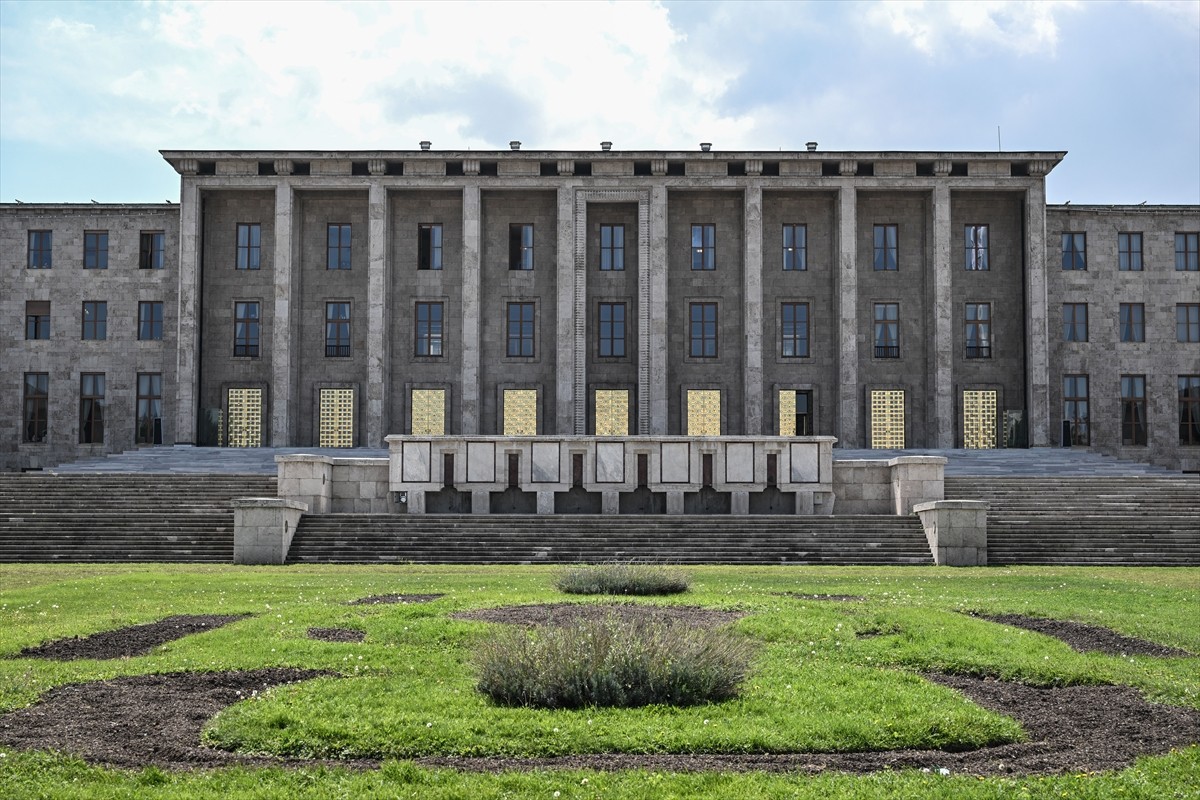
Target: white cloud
[(1027, 27)]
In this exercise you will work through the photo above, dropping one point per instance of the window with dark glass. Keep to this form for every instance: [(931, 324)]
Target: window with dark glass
[(249, 245), (703, 330), (337, 329), (91, 408), (612, 330), (41, 246), (704, 247), (795, 247), (150, 250), (95, 249), (35, 419), (1075, 322), (887, 248), (150, 320), (520, 330), (149, 408), (612, 248), (37, 319), (520, 247), (1074, 251), (887, 330), (95, 320), (1075, 410), (1187, 322), (337, 246), (793, 329), (1187, 252), (1133, 409), (1133, 322), (429, 246), (1129, 252), (246, 329), (804, 413), (1189, 409), (978, 330), (429, 329), (976, 245)]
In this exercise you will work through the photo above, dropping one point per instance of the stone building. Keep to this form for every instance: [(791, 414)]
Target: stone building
[(890, 299)]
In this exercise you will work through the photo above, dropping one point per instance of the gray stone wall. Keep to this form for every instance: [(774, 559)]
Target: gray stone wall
[(612, 287)]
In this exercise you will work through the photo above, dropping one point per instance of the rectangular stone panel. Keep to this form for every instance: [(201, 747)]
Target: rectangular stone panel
[(546, 468), (806, 462), (739, 462), (416, 462), (481, 462), (610, 462), (675, 462)]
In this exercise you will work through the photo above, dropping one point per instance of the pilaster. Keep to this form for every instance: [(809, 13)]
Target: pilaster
[(283, 326), (941, 387), (378, 312), (752, 314), (571, 339), (847, 302), (655, 344), (471, 255), (1037, 342), (188, 351)]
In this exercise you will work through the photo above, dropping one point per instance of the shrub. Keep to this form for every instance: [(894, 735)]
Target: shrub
[(642, 579), (613, 662)]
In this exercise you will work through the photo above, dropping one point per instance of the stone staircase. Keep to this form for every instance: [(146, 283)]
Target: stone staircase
[(1101, 520), (121, 517), (528, 539)]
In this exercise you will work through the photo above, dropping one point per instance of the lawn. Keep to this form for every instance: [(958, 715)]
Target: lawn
[(828, 677)]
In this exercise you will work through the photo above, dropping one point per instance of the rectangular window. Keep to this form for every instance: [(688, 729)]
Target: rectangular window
[(704, 247), (246, 329), (95, 320), (795, 247), (978, 330), (429, 246), (612, 330), (1074, 251), (1075, 322), (429, 329), (1187, 322), (95, 249), (887, 330), (1133, 322), (886, 248), (520, 330), (150, 321), (1133, 409), (35, 416), (41, 246), (337, 241), (337, 329), (612, 248), (976, 247), (1187, 252), (149, 408), (91, 408), (1075, 410), (1129, 252), (793, 329), (37, 319), (703, 333), (150, 251), (1189, 409), (249, 245), (520, 247)]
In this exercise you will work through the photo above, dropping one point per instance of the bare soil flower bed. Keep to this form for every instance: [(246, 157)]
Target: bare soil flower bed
[(1084, 638), (136, 640), (572, 613), (342, 635), (386, 599)]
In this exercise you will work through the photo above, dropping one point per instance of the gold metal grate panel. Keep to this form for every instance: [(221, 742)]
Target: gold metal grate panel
[(520, 412), (704, 412), (429, 412), (979, 420), (612, 412), (245, 417), (787, 412), (337, 418), (887, 419)]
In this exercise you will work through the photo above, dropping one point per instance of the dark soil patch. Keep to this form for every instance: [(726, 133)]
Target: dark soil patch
[(573, 613), (137, 640), (837, 598), (386, 599), (346, 635), (1084, 638)]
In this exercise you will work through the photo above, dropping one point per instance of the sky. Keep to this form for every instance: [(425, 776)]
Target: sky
[(90, 92)]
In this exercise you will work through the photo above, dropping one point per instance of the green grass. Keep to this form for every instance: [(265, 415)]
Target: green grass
[(409, 689)]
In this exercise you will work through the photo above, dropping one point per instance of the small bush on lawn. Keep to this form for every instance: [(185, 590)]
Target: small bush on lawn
[(613, 662), (642, 579)]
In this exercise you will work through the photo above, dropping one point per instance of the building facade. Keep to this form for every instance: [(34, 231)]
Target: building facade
[(890, 299)]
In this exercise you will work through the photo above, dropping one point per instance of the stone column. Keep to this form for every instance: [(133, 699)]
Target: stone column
[(643, 305), (847, 308), (752, 314), (941, 411), (471, 255), (187, 354), (378, 308), (654, 345), (571, 333), (1037, 342), (283, 326)]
